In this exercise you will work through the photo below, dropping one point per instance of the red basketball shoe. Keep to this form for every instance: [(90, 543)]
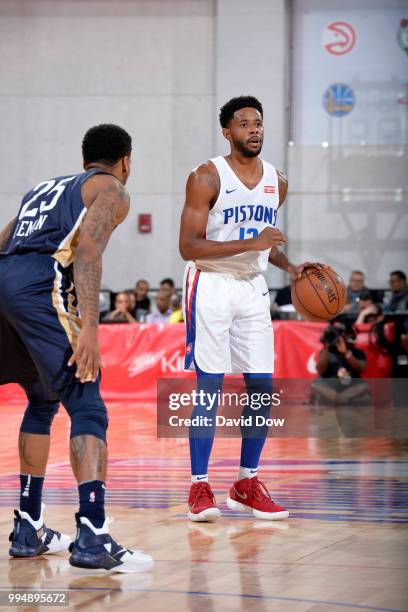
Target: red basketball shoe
[(251, 494), (201, 502)]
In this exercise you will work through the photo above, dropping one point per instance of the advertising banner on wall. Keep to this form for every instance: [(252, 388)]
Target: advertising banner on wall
[(349, 75), (136, 356)]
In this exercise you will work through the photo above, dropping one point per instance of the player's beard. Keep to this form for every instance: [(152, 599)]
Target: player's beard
[(243, 148)]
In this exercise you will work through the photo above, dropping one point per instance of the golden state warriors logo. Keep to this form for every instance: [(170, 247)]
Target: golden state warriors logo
[(339, 100), (402, 35), (339, 38)]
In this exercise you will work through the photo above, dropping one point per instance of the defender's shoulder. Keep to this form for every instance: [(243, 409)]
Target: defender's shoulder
[(102, 183)]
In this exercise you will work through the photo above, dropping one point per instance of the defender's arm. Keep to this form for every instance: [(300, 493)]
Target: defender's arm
[(5, 233), (108, 205)]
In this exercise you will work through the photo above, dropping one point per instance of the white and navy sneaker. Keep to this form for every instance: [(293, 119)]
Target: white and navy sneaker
[(31, 538), (94, 548)]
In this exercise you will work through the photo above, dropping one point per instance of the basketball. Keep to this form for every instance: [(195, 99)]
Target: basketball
[(319, 294)]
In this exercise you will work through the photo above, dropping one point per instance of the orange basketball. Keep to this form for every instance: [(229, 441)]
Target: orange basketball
[(319, 294)]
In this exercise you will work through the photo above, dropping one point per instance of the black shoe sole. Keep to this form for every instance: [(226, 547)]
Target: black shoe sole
[(23, 551), (88, 561)]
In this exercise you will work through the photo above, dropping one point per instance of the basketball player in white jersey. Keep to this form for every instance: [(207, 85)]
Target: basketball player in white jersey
[(228, 235)]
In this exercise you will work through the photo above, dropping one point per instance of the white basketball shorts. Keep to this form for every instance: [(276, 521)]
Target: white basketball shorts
[(228, 323)]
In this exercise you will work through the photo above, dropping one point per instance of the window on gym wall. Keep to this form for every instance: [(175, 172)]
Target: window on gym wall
[(348, 132)]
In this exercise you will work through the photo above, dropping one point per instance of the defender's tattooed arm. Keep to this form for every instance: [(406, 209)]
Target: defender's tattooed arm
[(108, 204)]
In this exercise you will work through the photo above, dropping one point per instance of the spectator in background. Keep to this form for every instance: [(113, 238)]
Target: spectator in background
[(132, 299), (141, 290), (354, 290), (162, 312), (121, 314), (177, 314), (339, 366), (399, 291), (369, 312), (282, 303), (168, 283)]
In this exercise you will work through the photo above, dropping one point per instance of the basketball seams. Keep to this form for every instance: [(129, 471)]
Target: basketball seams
[(303, 306), (334, 285), (332, 314)]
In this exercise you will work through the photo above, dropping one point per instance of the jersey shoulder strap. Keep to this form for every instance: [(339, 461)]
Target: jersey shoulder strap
[(84, 176), (220, 164)]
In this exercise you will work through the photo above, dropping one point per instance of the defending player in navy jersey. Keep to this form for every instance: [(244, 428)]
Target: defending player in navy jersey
[(50, 274), (228, 235)]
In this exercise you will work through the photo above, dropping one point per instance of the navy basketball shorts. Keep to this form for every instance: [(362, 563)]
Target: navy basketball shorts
[(38, 302), (16, 364)]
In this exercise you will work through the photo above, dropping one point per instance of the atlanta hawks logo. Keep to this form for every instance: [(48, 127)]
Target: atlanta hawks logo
[(339, 38)]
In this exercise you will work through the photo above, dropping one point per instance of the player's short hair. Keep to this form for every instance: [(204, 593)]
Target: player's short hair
[(227, 111), (400, 275), (106, 143)]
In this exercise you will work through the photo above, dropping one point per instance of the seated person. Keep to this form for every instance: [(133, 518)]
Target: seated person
[(142, 300), (369, 312), (340, 365), (168, 284), (177, 314), (282, 302), (132, 299), (354, 290), (121, 313), (162, 311), (399, 291)]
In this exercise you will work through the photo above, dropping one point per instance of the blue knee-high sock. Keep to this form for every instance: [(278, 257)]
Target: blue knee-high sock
[(201, 438), (253, 440), (30, 494), (92, 501)]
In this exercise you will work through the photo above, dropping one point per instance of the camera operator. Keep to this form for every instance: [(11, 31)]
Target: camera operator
[(340, 365)]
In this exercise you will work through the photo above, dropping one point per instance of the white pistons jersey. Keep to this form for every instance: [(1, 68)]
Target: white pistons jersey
[(241, 213)]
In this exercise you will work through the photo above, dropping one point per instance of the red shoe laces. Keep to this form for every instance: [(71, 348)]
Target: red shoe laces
[(258, 489), (204, 490)]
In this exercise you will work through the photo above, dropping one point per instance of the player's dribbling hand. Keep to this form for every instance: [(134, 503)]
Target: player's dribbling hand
[(86, 355), (296, 271), (268, 238)]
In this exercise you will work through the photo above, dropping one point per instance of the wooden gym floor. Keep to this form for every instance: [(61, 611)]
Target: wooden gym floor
[(343, 548)]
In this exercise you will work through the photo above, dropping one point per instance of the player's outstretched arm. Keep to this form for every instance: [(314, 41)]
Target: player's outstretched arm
[(201, 192), (108, 204), (5, 233)]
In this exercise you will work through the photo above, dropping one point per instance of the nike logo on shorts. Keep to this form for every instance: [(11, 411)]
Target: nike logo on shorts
[(202, 478), (230, 190)]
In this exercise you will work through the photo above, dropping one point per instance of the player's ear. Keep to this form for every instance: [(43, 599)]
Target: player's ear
[(226, 133), (126, 166)]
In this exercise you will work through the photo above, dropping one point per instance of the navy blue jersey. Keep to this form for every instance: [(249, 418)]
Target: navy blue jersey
[(49, 218)]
